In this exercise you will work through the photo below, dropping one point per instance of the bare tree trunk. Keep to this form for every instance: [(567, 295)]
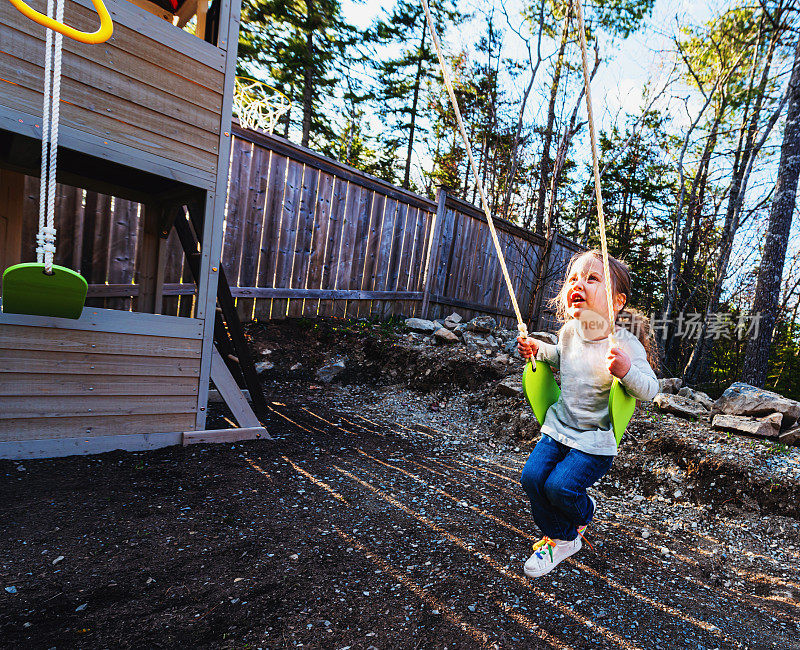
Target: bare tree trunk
[(512, 172), (414, 103), (700, 358), (308, 74), (544, 165), (768, 285)]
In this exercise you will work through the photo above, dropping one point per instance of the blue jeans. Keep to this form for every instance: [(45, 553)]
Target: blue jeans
[(555, 479)]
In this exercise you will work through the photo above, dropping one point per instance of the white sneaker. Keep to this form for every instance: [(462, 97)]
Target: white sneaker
[(550, 555)]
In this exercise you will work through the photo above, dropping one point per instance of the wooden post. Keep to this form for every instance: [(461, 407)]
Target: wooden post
[(432, 255), (12, 193), (148, 258)]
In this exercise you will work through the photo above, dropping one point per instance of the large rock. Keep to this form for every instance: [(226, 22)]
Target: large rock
[(452, 320), (698, 396), (744, 399), (507, 335), (775, 419), (482, 324), (511, 386), (445, 335), (329, 371), (744, 424), (679, 405), (670, 385), (421, 325)]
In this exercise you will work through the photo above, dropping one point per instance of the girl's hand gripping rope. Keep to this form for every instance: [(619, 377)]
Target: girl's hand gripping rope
[(618, 362), (527, 347)]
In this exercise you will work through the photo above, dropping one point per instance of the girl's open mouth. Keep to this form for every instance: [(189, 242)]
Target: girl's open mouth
[(576, 300)]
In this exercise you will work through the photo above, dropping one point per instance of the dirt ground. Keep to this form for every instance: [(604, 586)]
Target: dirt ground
[(387, 513)]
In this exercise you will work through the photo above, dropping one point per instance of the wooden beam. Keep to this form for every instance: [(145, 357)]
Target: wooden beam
[(56, 447), (323, 294), (231, 393), (12, 194), (161, 270), (214, 396), (224, 435)]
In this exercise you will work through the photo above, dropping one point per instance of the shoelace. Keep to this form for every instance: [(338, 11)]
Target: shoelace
[(581, 529), (544, 544)]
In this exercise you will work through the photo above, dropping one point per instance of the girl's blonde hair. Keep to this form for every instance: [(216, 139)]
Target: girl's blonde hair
[(630, 318)]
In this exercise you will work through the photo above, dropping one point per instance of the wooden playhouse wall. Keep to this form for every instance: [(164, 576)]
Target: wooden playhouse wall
[(152, 89), (154, 99), (109, 375)]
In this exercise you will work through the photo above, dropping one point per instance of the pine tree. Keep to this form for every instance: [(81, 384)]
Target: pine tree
[(299, 45), (402, 79)]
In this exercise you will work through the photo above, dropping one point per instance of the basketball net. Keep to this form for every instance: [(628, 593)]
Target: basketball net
[(258, 105)]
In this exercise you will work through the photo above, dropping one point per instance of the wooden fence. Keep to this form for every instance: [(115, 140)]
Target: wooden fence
[(308, 236)]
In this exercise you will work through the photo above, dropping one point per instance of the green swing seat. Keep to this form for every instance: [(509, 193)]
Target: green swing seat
[(542, 391), (27, 289)]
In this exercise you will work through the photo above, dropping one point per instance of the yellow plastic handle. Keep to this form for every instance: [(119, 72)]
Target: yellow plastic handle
[(100, 36)]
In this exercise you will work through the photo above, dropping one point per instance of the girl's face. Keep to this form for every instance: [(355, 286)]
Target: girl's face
[(586, 290)]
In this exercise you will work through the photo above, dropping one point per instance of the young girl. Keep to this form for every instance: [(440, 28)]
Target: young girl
[(577, 444)]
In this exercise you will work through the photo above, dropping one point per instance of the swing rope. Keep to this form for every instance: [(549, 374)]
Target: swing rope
[(46, 236), (596, 167), (523, 329), (603, 244)]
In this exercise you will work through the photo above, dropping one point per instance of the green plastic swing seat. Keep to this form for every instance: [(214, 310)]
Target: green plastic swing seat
[(542, 391), (27, 289)]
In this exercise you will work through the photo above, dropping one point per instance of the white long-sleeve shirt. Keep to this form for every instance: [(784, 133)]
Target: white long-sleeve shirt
[(580, 417)]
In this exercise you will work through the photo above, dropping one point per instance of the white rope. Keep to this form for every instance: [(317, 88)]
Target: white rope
[(48, 72), (46, 239), (596, 167), (523, 329)]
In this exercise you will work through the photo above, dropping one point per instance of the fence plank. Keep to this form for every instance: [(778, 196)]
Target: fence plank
[(303, 239), (401, 256), (334, 236), (364, 233), (253, 226), (173, 270), (122, 246), (242, 156), (268, 238), (286, 240), (375, 246), (389, 260), (348, 238), (319, 240)]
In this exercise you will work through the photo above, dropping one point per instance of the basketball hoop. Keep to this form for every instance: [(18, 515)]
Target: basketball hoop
[(258, 105)]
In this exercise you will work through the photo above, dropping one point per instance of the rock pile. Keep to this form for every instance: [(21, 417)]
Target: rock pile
[(742, 408), (480, 335)]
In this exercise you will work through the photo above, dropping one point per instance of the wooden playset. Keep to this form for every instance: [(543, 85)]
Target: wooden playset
[(145, 116)]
